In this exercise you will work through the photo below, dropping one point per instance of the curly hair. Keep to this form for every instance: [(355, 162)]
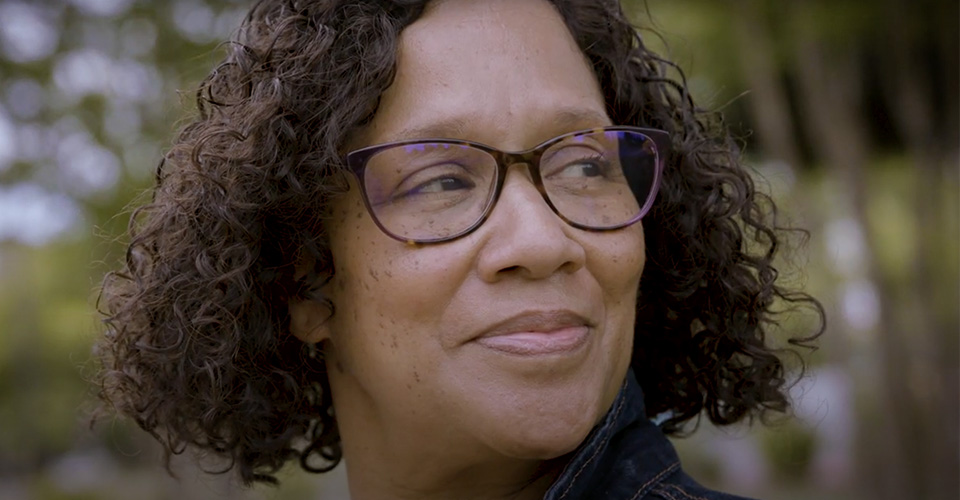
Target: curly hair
[(198, 349)]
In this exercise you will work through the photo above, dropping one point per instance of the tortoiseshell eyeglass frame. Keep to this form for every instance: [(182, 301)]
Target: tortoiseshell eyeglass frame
[(357, 163)]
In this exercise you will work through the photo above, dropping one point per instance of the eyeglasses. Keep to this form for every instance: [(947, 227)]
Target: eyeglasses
[(433, 190)]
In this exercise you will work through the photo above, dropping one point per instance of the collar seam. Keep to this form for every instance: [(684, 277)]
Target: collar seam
[(663, 489), (596, 451), (656, 479)]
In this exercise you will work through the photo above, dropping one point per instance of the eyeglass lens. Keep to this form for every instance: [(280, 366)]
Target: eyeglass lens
[(435, 190)]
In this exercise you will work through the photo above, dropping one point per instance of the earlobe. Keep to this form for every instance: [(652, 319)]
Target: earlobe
[(310, 320)]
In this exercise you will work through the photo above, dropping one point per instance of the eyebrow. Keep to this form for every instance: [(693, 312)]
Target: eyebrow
[(563, 120)]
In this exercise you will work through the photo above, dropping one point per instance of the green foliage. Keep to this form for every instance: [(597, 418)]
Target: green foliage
[(790, 449), (48, 327)]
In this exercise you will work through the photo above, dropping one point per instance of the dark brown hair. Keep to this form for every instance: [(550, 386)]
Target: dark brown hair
[(198, 349)]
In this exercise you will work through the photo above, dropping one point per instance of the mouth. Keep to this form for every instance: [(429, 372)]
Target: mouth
[(537, 333)]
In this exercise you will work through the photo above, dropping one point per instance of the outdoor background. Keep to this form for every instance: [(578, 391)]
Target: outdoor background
[(848, 111)]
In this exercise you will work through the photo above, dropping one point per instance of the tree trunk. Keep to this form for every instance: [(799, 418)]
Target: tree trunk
[(768, 101), (828, 86), (908, 92)]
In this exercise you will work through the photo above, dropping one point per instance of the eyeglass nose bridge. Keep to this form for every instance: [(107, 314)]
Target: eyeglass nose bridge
[(531, 158)]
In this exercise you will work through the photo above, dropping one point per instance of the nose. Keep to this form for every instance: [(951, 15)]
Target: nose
[(523, 236)]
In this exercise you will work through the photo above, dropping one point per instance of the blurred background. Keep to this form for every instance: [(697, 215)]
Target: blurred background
[(848, 111)]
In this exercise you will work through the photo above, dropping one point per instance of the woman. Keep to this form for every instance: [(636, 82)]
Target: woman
[(341, 261)]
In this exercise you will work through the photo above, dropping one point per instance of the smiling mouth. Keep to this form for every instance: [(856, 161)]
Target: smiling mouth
[(536, 334)]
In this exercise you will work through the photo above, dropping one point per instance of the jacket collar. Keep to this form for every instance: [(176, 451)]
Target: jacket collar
[(624, 452)]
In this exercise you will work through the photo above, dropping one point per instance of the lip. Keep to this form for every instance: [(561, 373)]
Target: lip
[(537, 333)]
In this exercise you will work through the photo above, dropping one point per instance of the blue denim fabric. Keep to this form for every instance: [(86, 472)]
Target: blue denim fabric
[(628, 457)]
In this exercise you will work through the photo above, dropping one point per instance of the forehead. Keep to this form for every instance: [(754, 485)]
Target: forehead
[(477, 70)]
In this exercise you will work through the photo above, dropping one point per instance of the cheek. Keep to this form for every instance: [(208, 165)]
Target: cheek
[(358, 269), (386, 337), (618, 263), (387, 297), (621, 271)]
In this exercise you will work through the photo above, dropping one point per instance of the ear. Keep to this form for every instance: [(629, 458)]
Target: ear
[(310, 320)]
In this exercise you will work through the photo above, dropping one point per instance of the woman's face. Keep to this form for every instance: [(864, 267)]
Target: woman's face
[(513, 340)]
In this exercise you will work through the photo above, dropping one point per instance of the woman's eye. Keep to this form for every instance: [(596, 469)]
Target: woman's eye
[(436, 180), (587, 167), (441, 184)]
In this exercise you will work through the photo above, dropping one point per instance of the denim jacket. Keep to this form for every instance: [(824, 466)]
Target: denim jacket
[(627, 457)]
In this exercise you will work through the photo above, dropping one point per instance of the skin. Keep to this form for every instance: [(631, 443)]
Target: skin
[(425, 409)]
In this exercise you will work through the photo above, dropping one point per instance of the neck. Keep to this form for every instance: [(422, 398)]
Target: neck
[(384, 477)]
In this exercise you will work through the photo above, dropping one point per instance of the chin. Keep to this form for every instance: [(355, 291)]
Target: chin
[(546, 434), (544, 419), (550, 447)]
